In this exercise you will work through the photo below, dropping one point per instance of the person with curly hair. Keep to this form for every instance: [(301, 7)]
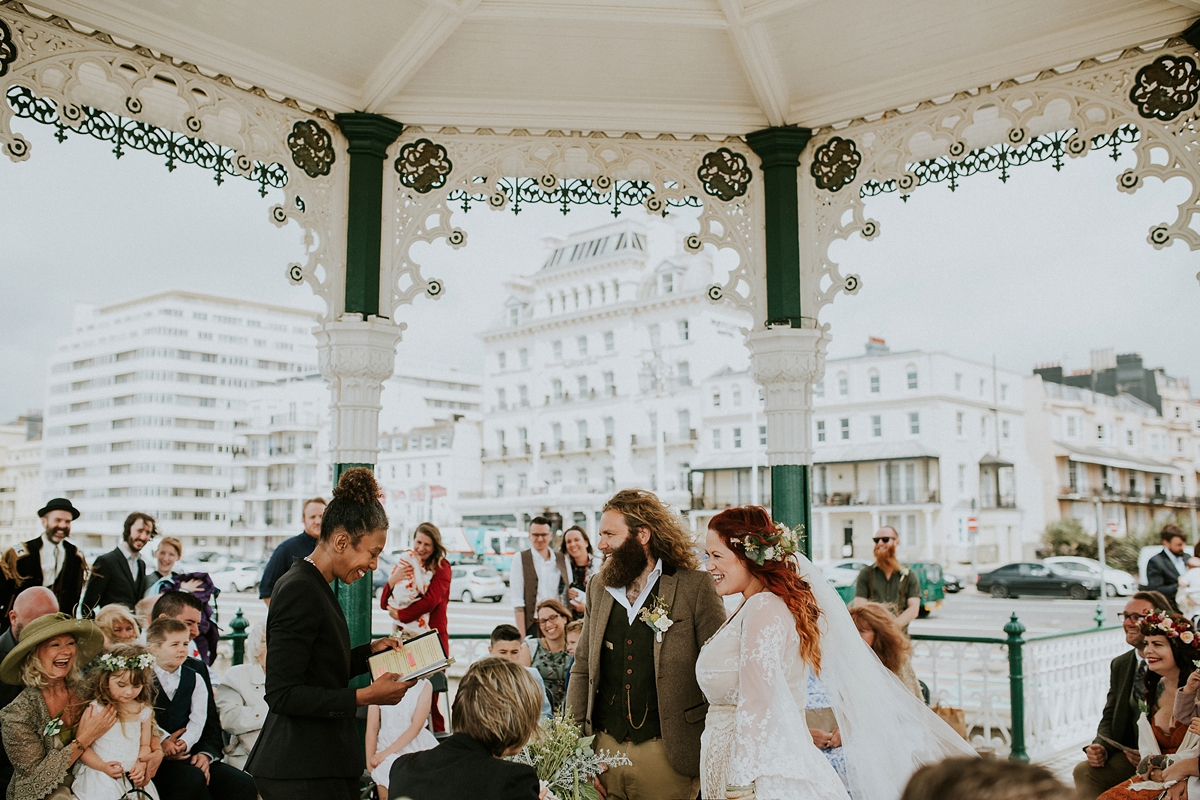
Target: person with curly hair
[(879, 630)]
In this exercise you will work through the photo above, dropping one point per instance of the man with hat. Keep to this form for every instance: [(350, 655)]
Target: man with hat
[(49, 560)]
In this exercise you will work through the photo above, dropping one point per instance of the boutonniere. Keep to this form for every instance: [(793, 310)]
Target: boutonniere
[(53, 727), (657, 617)]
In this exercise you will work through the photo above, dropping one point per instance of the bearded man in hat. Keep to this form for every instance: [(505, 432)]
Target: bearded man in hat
[(49, 560)]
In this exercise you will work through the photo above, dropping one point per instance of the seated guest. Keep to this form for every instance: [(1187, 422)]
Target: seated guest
[(242, 698), (34, 602), (117, 625), (395, 730), (1107, 765), (185, 607), (506, 643), (548, 652), (878, 628), (984, 779), (49, 726), (574, 630), (186, 712), (142, 612), (495, 712)]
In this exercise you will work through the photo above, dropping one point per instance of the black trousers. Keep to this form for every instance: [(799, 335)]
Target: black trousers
[(308, 789), (179, 780)]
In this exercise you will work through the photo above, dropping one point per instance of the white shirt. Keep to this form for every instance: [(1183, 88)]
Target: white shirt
[(131, 558), (1180, 561), (52, 560), (547, 573), (621, 597), (199, 711)]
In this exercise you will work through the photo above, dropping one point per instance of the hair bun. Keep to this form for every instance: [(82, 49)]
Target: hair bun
[(357, 485)]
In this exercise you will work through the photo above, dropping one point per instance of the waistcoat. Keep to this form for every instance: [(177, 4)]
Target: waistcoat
[(173, 714), (626, 704)]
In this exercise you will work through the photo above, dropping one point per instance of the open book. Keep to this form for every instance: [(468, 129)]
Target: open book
[(417, 658)]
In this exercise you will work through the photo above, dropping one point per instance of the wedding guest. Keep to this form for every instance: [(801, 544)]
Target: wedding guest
[(537, 574), (50, 725), (395, 730), (879, 630), (49, 560), (582, 563), (118, 626), (548, 653), (186, 608), (822, 726), (169, 551), (299, 546), (888, 582), (241, 698), (34, 602), (200, 587), (1187, 595), (506, 643), (143, 610), (495, 712), (574, 630), (985, 779), (1164, 569), (119, 576)]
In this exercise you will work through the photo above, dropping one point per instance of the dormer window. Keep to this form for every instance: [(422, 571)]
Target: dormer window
[(666, 283)]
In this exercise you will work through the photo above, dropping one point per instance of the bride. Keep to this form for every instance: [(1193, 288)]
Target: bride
[(754, 672)]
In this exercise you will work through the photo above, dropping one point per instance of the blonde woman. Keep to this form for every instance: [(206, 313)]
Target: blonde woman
[(495, 712), (118, 626)]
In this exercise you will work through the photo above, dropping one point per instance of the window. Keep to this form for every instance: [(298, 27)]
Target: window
[(522, 482), (581, 476), (982, 385), (912, 377), (655, 337), (683, 374), (608, 431), (737, 395), (557, 347), (581, 431), (737, 438), (523, 436), (1006, 429), (983, 427), (500, 403), (762, 435), (556, 387), (583, 386), (1072, 427), (682, 327), (610, 479), (1073, 476), (820, 430), (876, 426), (556, 477), (845, 422), (556, 435), (502, 359), (685, 425), (874, 383), (716, 398), (581, 346), (609, 342), (914, 422), (1102, 433), (958, 422), (962, 478), (514, 316), (819, 389), (610, 386), (499, 486), (1129, 438), (500, 440), (716, 436), (523, 394), (523, 357), (1004, 392), (958, 381), (666, 283), (843, 386)]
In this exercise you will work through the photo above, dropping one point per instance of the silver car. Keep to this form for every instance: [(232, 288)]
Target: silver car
[(470, 583)]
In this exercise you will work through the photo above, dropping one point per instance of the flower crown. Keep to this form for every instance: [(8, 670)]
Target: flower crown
[(777, 545), (1172, 626), (114, 663)]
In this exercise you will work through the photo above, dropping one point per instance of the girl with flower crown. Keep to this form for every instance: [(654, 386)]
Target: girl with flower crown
[(121, 762)]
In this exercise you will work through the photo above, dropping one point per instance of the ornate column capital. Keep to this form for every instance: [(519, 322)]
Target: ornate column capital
[(786, 362), (356, 356)]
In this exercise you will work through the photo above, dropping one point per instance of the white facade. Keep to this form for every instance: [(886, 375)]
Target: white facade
[(592, 375), (142, 401), (20, 480)]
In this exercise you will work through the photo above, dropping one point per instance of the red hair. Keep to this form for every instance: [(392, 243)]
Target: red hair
[(779, 577)]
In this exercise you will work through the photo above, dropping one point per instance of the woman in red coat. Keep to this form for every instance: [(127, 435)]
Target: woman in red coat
[(427, 546)]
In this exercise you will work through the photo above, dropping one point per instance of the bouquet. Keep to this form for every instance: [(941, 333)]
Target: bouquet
[(565, 761)]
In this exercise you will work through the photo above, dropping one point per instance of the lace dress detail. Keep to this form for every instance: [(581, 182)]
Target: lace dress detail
[(756, 732), (121, 743)]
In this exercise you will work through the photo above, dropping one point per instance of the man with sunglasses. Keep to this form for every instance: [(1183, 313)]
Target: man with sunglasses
[(1106, 764), (887, 582)]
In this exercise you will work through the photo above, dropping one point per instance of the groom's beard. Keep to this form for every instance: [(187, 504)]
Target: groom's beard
[(625, 564)]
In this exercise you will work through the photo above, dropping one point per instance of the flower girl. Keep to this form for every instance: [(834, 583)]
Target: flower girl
[(122, 758)]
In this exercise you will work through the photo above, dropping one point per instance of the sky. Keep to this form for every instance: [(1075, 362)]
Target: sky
[(1042, 269)]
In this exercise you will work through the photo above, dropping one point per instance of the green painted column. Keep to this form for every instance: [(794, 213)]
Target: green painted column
[(357, 599), (780, 149)]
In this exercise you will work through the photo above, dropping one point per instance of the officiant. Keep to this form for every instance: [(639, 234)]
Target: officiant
[(309, 748)]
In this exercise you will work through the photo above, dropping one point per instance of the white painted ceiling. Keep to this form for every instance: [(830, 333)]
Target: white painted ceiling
[(679, 66)]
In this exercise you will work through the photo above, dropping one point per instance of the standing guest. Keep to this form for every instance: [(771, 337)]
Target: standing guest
[(548, 653), (118, 626), (427, 547), (506, 643), (241, 698), (887, 582), (537, 574), (49, 726), (582, 562), (310, 746), (823, 727), (49, 560), (881, 633), (34, 602), (1107, 765), (169, 551), (1164, 569), (395, 730), (299, 546), (634, 685), (495, 714), (119, 576)]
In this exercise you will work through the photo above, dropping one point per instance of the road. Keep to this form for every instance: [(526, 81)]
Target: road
[(964, 614)]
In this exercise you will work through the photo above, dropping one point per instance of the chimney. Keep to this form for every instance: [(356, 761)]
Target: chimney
[(877, 346)]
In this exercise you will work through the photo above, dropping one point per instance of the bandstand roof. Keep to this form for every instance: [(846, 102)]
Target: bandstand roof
[(680, 66)]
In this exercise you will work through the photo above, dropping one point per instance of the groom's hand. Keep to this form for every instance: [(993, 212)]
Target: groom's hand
[(599, 787)]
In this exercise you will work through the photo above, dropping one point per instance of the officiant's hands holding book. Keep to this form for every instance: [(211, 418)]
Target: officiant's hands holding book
[(386, 643), (386, 690)]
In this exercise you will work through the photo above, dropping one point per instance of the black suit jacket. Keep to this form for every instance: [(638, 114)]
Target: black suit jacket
[(111, 583), (310, 731), (1161, 576), (21, 567), (460, 767), (1119, 720)]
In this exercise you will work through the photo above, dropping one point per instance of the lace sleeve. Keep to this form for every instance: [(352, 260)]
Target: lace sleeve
[(37, 769)]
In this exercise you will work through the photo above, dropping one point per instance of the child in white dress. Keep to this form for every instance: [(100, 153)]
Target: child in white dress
[(407, 592), (118, 761), (395, 730)]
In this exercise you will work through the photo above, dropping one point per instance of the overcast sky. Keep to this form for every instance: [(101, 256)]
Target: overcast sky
[(1044, 268)]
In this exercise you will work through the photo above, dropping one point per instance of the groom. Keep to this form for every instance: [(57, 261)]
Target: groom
[(633, 683)]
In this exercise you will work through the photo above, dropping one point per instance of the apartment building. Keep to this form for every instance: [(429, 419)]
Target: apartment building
[(20, 479)]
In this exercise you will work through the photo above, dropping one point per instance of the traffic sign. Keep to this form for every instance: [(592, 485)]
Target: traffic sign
[(1113, 528), (972, 525)]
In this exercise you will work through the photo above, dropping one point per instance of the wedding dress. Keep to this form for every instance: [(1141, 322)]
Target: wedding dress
[(756, 684)]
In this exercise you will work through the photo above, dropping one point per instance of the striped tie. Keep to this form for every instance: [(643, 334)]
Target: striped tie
[(1139, 681)]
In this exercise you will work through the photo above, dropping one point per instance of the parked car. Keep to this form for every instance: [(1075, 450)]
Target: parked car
[(237, 577), (1118, 583), (843, 574), (951, 583), (469, 583), (1027, 578)]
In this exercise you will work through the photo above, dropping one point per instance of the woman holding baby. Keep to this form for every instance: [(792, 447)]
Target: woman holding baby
[(418, 592)]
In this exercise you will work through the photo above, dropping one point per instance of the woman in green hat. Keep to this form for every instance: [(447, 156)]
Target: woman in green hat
[(47, 728)]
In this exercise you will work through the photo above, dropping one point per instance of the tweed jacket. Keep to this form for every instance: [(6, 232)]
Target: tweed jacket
[(696, 613), (1119, 720), (40, 761), (21, 567)]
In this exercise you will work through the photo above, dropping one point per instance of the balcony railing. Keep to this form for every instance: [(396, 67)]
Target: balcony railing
[(874, 498)]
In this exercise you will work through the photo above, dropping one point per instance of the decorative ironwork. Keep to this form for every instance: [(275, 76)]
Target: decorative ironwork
[(835, 164), (312, 148), (724, 174), (131, 134), (1165, 88), (602, 191), (423, 165), (1053, 147), (8, 48)]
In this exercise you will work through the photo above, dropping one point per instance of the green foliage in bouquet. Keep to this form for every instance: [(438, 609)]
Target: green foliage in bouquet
[(565, 761)]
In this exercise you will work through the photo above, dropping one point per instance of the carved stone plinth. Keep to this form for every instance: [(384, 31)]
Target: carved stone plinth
[(786, 362)]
